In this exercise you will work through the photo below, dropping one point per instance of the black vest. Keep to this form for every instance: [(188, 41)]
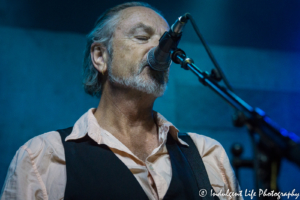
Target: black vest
[(95, 172)]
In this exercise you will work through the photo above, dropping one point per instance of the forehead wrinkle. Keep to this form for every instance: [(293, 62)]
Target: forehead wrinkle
[(146, 28), (127, 13)]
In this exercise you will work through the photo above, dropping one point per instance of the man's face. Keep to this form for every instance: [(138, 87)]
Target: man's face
[(138, 30)]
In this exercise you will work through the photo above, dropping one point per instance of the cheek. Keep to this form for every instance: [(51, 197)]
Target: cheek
[(123, 62)]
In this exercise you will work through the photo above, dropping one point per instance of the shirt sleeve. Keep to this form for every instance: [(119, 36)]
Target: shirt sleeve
[(23, 180), (217, 165)]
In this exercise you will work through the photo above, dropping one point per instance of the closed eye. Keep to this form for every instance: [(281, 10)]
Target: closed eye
[(143, 38)]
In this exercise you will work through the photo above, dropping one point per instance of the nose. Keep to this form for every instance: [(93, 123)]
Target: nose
[(154, 42), (156, 39)]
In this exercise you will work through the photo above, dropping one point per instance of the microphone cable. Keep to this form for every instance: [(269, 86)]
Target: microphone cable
[(238, 117), (211, 56)]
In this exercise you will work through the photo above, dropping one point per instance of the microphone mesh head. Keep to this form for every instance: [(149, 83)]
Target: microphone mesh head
[(156, 65)]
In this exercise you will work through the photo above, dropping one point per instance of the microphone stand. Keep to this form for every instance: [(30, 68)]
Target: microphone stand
[(271, 142)]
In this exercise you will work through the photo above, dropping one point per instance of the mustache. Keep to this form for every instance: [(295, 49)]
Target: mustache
[(161, 77), (142, 65)]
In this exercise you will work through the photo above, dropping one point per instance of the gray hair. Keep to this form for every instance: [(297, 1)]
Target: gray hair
[(103, 34)]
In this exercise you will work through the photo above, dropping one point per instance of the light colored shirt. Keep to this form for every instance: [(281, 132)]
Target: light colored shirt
[(38, 170)]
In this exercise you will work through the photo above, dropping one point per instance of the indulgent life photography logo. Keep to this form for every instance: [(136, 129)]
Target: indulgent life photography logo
[(251, 193)]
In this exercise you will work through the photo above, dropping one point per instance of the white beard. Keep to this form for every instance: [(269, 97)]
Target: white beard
[(136, 81)]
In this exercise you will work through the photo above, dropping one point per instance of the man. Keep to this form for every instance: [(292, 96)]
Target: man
[(122, 133)]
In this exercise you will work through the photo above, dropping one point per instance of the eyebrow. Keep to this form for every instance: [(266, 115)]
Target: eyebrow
[(146, 28)]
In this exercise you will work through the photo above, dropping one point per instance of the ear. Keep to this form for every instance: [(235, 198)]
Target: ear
[(99, 57)]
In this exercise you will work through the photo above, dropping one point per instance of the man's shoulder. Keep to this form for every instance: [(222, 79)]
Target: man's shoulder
[(205, 143), (51, 138), (37, 161), (207, 147), (48, 143), (216, 162)]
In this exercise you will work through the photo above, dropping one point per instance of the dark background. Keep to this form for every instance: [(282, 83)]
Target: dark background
[(268, 24), (256, 43)]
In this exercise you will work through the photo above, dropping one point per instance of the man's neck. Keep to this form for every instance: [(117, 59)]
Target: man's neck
[(125, 112), (128, 115)]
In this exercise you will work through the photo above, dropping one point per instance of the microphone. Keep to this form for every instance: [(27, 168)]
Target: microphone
[(158, 57)]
